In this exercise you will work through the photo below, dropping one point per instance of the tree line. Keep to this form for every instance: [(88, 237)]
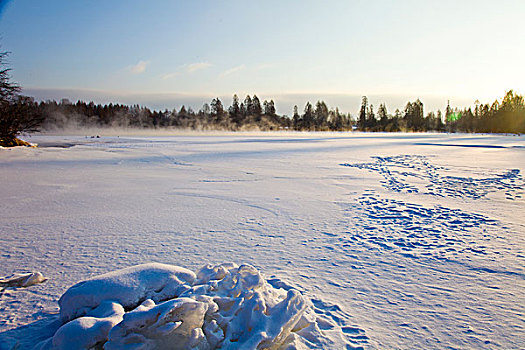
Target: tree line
[(249, 114), (507, 116), (19, 114)]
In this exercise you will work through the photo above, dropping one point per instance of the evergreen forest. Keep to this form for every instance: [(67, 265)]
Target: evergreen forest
[(502, 116)]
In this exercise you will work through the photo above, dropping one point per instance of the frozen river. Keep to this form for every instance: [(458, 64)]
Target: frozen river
[(404, 240)]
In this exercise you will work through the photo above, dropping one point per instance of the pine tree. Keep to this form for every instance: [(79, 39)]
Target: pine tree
[(217, 111), (243, 111), (321, 115), (370, 118), (248, 105), (297, 120), (269, 108), (235, 111), (308, 116), (414, 117), (362, 114), (256, 108), (382, 114)]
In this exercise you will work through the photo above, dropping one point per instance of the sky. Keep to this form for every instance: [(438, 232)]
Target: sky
[(167, 53)]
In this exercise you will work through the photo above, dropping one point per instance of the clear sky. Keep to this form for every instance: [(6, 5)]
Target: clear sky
[(162, 53)]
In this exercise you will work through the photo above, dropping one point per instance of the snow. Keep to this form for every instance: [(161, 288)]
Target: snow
[(128, 287), (87, 331), (391, 240), (228, 306)]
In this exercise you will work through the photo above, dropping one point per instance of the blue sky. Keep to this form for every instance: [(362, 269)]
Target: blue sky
[(162, 53)]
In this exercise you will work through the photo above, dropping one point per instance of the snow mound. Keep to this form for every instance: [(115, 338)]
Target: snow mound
[(128, 287), (23, 280), (157, 306), (90, 330)]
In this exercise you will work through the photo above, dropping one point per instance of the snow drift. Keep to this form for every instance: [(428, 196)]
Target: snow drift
[(158, 306)]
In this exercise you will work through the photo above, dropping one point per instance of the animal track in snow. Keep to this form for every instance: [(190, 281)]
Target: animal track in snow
[(415, 174), (412, 229), (333, 314)]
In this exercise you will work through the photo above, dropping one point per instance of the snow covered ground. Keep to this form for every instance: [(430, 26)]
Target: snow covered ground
[(403, 240)]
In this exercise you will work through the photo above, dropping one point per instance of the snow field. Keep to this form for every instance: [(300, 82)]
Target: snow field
[(397, 240)]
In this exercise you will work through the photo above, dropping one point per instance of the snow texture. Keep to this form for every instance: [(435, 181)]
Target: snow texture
[(226, 306), (395, 241), (128, 287)]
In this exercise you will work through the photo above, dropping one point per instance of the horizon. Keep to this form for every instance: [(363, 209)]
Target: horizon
[(169, 54), (346, 103)]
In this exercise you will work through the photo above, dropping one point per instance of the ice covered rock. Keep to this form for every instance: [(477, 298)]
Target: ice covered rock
[(128, 287), (249, 311), (173, 324), (156, 306), (87, 331), (22, 279)]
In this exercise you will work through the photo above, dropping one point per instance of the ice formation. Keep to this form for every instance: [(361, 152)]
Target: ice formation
[(157, 306)]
